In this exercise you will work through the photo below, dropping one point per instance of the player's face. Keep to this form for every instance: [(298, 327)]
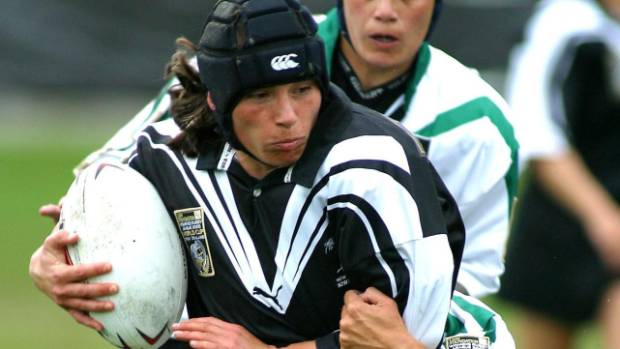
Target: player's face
[(274, 124), (386, 34)]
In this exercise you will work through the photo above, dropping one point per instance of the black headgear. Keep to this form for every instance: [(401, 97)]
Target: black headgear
[(431, 27), (250, 44)]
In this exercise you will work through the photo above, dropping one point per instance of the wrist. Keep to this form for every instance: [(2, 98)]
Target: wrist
[(408, 342)]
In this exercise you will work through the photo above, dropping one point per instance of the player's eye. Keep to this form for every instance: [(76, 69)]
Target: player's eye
[(257, 95), (303, 88)]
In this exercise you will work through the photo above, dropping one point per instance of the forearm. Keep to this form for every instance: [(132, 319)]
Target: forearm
[(302, 345), (570, 182)]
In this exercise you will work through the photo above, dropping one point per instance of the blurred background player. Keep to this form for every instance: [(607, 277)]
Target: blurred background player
[(563, 260)]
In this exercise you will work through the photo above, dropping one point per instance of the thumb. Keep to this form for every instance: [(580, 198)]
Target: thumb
[(374, 296), (50, 210), (351, 296)]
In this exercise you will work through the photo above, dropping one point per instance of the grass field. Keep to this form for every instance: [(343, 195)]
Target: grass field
[(36, 158)]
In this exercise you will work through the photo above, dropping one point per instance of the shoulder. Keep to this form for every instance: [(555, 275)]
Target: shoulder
[(158, 135), (452, 96), (455, 83), (549, 35), (358, 134), (549, 21), (373, 124)]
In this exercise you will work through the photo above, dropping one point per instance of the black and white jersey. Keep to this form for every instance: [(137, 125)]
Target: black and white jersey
[(362, 207)]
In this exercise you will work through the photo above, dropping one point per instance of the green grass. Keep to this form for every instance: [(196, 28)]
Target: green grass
[(41, 140), (31, 177)]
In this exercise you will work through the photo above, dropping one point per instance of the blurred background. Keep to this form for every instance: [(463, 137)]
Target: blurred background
[(75, 71)]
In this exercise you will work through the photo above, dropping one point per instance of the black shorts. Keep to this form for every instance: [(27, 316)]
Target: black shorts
[(551, 266)]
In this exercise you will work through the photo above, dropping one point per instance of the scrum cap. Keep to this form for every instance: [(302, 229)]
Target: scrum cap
[(250, 44)]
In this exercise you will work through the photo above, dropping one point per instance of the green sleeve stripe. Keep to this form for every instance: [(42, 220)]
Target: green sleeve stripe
[(473, 110), (454, 326), (484, 317), (329, 30)]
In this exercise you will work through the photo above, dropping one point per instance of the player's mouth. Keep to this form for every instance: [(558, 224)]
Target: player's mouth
[(384, 41), (288, 144)]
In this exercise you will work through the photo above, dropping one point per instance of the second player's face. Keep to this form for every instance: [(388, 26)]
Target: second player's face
[(388, 33), (274, 124)]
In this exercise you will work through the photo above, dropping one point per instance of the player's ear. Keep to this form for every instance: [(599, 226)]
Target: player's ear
[(210, 101)]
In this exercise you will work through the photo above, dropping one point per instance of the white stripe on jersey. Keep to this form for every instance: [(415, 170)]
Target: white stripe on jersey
[(382, 192), (302, 230), (381, 148)]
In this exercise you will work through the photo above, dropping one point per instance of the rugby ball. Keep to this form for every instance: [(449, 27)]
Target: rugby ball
[(121, 219)]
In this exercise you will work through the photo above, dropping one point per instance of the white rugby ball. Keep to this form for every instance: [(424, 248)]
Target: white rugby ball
[(121, 219)]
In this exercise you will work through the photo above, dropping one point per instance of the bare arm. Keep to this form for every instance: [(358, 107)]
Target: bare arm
[(210, 332), (569, 181)]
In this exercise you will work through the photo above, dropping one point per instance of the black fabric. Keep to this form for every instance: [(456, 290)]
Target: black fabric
[(175, 344), (551, 266), (330, 341), (592, 113)]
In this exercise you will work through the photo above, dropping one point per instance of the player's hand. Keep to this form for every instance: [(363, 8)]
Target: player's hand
[(604, 232), (50, 210), (372, 320), (210, 332), (64, 283)]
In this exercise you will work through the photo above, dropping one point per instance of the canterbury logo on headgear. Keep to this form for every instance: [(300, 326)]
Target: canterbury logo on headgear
[(284, 62)]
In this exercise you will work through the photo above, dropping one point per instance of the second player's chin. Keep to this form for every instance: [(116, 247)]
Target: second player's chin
[(380, 61)]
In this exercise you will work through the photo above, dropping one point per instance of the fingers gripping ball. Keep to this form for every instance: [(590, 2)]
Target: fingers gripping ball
[(121, 219)]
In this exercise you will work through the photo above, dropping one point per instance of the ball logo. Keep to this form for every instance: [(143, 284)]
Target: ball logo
[(284, 62)]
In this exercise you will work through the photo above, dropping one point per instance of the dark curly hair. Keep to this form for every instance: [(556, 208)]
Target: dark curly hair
[(189, 106)]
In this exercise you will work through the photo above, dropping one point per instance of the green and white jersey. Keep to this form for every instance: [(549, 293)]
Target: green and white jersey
[(473, 325), (472, 145), (470, 142), (474, 149)]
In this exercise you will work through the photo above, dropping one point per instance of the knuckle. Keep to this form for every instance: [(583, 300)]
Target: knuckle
[(56, 277), (80, 273), (57, 291)]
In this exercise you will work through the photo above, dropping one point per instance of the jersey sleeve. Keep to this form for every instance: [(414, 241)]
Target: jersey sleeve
[(478, 162), (392, 235), (471, 323), (120, 146)]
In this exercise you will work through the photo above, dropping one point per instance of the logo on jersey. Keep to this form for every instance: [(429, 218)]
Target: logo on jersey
[(192, 227), (329, 245), (467, 342), (284, 62)]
